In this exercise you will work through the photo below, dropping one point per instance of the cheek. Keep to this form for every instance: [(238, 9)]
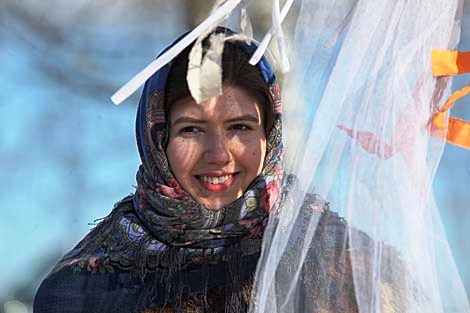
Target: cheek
[(262, 155), (252, 155), (181, 155)]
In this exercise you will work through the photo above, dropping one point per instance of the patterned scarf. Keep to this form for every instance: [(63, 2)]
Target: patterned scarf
[(161, 225), (171, 215)]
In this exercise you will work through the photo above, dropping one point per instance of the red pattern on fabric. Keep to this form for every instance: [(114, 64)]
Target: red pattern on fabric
[(93, 263), (269, 196), (370, 142), (173, 190)]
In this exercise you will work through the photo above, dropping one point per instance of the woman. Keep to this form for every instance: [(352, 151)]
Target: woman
[(190, 237)]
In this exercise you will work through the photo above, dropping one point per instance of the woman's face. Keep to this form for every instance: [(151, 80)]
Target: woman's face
[(216, 148)]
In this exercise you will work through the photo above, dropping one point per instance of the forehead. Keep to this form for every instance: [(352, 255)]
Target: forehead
[(233, 102)]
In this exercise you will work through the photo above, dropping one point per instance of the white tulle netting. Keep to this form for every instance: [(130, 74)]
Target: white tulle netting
[(358, 101)]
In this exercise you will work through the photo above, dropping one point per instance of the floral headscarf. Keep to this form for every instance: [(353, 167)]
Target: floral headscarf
[(172, 216), (161, 217)]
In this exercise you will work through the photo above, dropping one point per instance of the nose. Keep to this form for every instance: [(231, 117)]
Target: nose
[(217, 150)]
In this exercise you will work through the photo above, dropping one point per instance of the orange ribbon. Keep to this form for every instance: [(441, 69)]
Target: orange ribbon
[(447, 62)]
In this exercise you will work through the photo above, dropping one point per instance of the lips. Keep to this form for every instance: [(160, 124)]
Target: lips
[(216, 182)]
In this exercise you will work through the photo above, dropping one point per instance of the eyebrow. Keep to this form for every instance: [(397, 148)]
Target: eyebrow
[(246, 118), (191, 120)]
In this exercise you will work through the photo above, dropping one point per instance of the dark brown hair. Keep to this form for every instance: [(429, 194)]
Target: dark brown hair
[(236, 71)]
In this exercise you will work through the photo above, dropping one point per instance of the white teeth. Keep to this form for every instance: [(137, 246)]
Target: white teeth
[(215, 180)]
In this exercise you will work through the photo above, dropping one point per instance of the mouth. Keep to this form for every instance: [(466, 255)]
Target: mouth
[(216, 182)]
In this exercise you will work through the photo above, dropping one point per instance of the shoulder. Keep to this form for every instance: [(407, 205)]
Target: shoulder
[(89, 254), (85, 275)]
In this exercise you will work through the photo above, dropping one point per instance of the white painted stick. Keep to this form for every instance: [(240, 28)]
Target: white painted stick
[(267, 38), (132, 85), (276, 16)]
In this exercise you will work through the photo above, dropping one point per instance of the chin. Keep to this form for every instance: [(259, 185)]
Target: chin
[(216, 205)]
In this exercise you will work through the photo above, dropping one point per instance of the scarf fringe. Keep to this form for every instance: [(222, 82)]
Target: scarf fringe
[(231, 296)]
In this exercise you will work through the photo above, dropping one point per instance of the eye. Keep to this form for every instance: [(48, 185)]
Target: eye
[(189, 130), (240, 127)]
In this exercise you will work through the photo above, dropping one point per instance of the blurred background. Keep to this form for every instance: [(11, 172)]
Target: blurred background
[(67, 153)]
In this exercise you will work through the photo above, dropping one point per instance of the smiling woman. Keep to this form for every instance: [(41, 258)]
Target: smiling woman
[(190, 236)]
